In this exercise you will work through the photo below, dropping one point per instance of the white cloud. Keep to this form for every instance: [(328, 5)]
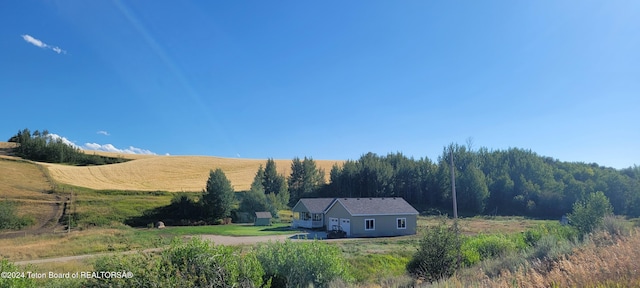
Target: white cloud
[(105, 133), (39, 43), (55, 137), (34, 41), (111, 148)]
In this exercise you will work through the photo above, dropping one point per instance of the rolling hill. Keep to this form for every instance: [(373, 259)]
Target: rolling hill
[(167, 173)]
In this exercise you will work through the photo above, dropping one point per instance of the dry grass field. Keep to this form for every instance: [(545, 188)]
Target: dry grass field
[(24, 183), (167, 173)]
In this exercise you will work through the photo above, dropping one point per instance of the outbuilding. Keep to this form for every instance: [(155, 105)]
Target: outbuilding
[(263, 219)]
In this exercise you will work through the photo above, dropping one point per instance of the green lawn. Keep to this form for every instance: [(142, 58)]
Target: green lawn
[(225, 230)]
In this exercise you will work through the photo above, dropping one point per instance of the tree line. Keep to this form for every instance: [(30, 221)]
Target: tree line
[(499, 182), (42, 147)]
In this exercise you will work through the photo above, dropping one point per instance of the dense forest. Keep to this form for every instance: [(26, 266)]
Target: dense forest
[(500, 182), (41, 146)]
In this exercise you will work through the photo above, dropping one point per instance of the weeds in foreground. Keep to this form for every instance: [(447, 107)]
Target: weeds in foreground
[(603, 261)]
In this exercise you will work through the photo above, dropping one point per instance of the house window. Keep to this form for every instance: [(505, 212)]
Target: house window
[(317, 217), (402, 223), (369, 224)]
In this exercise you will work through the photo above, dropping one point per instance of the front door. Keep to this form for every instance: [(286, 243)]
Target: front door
[(346, 226)]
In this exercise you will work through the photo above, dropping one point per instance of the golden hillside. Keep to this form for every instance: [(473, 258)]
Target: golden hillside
[(167, 173)]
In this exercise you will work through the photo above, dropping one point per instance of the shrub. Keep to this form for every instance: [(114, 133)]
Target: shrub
[(615, 226), (21, 279), (298, 264), (551, 247), (197, 263), (484, 247), (9, 219), (437, 254), (561, 232), (589, 213)]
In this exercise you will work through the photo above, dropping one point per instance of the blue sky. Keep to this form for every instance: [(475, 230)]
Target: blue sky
[(326, 79)]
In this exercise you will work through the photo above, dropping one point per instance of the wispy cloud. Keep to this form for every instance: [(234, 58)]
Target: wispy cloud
[(105, 133), (39, 43), (111, 148)]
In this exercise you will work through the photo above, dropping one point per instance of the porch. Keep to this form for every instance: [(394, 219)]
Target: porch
[(307, 220)]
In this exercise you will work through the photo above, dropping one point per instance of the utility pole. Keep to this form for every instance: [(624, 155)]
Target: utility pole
[(69, 211), (455, 207), (453, 187)]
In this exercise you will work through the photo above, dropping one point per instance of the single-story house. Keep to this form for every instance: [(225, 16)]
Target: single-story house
[(309, 212), (360, 217), (263, 219)]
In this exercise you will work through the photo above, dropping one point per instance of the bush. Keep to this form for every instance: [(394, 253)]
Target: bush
[(589, 213), (298, 264), (197, 263), (21, 279), (551, 247), (9, 219), (437, 254), (615, 226), (484, 247), (561, 232)]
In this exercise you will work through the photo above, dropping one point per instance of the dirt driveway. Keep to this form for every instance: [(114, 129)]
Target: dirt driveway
[(217, 239), (233, 240)]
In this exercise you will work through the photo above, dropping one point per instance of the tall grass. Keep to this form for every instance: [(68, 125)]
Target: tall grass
[(591, 265)]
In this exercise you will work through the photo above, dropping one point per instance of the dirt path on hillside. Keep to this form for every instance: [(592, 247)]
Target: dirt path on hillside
[(44, 226)]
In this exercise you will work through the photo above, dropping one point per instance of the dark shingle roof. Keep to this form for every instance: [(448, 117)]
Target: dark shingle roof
[(316, 205), (262, 215), (377, 206)]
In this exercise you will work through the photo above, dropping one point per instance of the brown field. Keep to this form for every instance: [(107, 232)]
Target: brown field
[(24, 183), (167, 173), (484, 225), (5, 145)]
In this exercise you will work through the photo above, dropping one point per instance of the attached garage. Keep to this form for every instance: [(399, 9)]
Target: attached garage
[(372, 217)]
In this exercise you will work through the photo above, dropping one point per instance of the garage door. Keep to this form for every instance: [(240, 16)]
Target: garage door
[(333, 224), (346, 226)]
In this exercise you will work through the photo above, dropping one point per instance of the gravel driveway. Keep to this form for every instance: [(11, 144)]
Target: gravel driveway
[(217, 239), (241, 240)]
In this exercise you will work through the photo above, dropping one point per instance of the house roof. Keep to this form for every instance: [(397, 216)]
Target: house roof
[(314, 205), (376, 206), (263, 215)]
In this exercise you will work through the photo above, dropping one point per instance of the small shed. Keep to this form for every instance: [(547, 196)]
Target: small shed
[(263, 219)]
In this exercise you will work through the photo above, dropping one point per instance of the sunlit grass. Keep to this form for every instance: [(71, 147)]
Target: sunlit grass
[(167, 173)]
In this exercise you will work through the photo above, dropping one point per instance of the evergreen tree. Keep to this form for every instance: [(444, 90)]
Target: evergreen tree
[(218, 196), (255, 200), (305, 179), (275, 184)]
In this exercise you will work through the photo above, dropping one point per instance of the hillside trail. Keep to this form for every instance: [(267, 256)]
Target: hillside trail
[(45, 225)]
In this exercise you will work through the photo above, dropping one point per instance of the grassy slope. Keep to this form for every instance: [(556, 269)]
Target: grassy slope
[(167, 173), (26, 184)]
